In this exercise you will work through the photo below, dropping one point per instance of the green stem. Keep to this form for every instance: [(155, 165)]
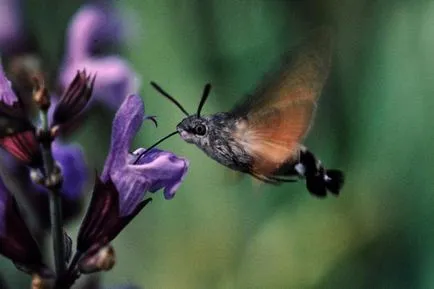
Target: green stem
[(55, 200)]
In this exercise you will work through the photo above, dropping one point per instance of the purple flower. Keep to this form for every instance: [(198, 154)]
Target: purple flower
[(157, 169), (10, 106), (19, 134), (91, 24), (118, 195), (7, 96), (16, 241), (115, 79), (71, 161), (18, 138)]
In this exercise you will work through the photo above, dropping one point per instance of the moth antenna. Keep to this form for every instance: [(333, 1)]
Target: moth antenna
[(154, 145), (205, 94), (169, 97)]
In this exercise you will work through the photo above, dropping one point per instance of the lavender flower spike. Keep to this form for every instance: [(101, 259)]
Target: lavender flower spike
[(118, 195)]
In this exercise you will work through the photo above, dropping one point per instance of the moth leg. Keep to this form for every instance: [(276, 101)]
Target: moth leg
[(284, 180), (263, 178)]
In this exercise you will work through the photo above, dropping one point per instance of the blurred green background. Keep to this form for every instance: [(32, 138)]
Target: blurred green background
[(374, 121)]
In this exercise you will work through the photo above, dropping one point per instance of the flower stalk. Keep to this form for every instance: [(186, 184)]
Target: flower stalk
[(52, 178)]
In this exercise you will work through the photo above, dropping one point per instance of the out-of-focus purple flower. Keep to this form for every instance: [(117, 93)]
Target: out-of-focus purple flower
[(70, 158), (10, 105), (25, 146), (21, 142), (10, 25), (118, 195), (7, 96), (16, 241), (91, 25), (71, 161)]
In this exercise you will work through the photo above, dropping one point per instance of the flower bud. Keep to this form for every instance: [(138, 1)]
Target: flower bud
[(103, 260), (74, 99), (38, 282), (40, 93)]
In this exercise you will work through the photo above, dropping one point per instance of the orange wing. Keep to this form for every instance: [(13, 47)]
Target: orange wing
[(280, 113)]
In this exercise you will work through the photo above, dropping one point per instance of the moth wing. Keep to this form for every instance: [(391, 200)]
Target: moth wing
[(278, 116), (301, 75), (272, 137)]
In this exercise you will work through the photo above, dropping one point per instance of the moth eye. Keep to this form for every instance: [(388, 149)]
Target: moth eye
[(200, 129)]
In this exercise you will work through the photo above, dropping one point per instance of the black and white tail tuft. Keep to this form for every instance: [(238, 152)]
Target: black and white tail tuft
[(318, 184), (334, 180)]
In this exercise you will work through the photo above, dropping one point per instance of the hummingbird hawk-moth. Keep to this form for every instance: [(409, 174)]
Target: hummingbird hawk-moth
[(262, 135)]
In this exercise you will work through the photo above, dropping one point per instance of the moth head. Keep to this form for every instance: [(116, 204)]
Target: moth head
[(193, 129)]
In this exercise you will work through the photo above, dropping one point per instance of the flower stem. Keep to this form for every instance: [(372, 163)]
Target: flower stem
[(70, 275), (74, 261), (55, 200), (57, 231)]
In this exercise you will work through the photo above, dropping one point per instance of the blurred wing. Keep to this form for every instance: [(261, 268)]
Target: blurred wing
[(277, 117)]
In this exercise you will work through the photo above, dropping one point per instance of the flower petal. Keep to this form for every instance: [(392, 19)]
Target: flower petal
[(156, 169), (7, 96), (115, 78), (168, 170), (12, 117), (126, 124)]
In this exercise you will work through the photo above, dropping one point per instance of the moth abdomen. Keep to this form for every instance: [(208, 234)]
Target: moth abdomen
[(319, 180)]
